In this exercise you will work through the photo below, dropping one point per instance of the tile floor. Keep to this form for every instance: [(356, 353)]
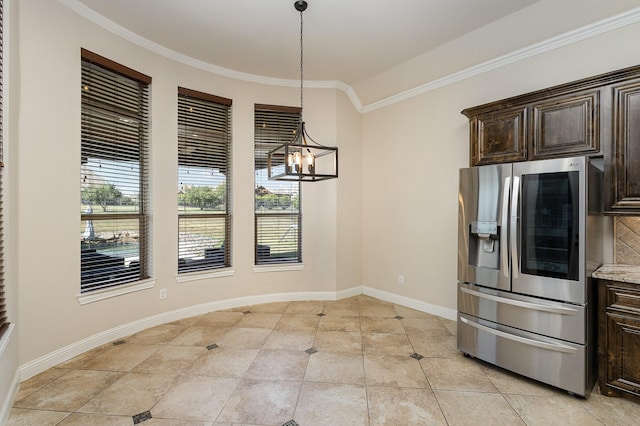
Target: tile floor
[(357, 361)]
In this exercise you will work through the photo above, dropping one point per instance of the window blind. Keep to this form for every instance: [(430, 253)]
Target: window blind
[(204, 166), (114, 175), (278, 220), (4, 322)]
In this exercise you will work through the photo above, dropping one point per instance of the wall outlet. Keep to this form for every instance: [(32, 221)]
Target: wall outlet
[(163, 293), (400, 279)]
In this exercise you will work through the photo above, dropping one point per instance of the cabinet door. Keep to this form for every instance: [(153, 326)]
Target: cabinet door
[(566, 126), (622, 171), (499, 137), (623, 347)]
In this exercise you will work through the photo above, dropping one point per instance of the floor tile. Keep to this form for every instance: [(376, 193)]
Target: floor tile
[(405, 312), (338, 341), (123, 357), (298, 322), (343, 308), (170, 360), (259, 320), (275, 307), (545, 410), (156, 335), (27, 417), (220, 319), (69, 392), (386, 343), (438, 346), (336, 323), (512, 383), (195, 398), (200, 335), (612, 410), (381, 325), (473, 408), (278, 365), (290, 339), (305, 307), (261, 402), (39, 381), (403, 406), (224, 362), (134, 393), (246, 338), (387, 310), (397, 371), (331, 404), (335, 367), (79, 419), (459, 374), (425, 326)]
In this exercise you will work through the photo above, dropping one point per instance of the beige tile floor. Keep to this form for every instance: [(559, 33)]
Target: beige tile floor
[(252, 366)]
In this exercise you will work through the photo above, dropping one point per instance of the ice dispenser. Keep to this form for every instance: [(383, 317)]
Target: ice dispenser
[(484, 232)]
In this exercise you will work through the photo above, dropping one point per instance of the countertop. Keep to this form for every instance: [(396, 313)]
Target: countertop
[(616, 272)]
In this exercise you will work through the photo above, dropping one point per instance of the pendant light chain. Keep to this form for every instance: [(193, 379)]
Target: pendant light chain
[(301, 67)]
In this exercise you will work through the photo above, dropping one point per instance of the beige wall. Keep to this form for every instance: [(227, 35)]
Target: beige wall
[(412, 151), (49, 316)]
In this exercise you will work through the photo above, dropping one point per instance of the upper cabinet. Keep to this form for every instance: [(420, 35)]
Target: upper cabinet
[(597, 116)]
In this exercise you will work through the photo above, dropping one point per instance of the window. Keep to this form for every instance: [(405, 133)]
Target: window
[(114, 175), (204, 147), (278, 223), (4, 322)]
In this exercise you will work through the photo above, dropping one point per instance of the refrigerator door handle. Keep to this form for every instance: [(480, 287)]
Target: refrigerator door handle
[(504, 263), (520, 303), (513, 231), (531, 342)]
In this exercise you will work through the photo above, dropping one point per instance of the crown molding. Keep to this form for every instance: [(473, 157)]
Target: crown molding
[(617, 21), (609, 24)]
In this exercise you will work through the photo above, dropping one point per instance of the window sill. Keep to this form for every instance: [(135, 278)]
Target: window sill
[(98, 295), (194, 276), (279, 267)]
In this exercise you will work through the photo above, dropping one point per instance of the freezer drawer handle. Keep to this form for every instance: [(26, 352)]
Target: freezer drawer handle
[(537, 306), (531, 342)]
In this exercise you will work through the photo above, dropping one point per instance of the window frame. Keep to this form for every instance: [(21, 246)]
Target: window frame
[(286, 119), (220, 112), (100, 280)]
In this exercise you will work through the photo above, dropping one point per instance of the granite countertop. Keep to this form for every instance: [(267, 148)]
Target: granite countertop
[(617, 272)]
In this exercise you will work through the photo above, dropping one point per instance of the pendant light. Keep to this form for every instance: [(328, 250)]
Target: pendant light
[(302, 158)]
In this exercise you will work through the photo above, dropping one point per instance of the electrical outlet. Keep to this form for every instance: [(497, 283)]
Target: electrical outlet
[(400, 279), (163, 293)]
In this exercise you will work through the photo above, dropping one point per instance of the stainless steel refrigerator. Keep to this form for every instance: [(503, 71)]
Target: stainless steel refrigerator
[(529, 237)]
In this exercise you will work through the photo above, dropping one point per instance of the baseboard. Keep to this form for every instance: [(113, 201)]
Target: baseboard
[(10, 377), (61, 355), (450, 314)]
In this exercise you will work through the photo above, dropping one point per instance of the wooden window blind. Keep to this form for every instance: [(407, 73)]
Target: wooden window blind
[(204, 166), (114, 175), (4, 321), (278, 220)]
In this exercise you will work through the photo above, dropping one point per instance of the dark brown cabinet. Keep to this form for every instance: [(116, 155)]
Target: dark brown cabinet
[(622, 172), (619, 339)]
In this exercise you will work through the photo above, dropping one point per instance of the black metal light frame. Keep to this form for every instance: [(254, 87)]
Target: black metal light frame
[(302, 158)]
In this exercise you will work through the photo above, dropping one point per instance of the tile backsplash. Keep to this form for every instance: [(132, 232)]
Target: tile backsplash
[(627, 240)]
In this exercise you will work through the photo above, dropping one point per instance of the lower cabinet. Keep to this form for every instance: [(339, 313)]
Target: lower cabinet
[(619, 339)]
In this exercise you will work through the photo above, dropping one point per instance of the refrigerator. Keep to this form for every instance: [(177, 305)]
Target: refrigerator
[(529, 237)]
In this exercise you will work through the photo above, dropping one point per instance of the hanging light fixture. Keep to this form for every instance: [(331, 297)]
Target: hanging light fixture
[(302, 158)]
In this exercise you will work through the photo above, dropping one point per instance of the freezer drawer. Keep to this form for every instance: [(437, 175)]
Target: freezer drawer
[(539, 316), (550, 361)]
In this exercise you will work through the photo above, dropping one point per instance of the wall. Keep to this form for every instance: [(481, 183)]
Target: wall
[(49, 316), (412, 151)]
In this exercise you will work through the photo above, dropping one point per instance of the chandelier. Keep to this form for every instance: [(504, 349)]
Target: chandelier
[(302, 158)]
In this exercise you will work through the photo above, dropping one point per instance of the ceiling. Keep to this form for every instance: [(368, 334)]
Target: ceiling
[(346, 41)]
